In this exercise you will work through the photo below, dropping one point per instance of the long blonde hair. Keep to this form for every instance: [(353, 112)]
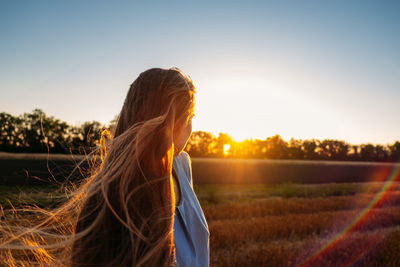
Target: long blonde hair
[(122, 214)]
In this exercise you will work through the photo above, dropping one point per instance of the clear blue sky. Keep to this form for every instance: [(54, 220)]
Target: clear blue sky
[(302, 69)]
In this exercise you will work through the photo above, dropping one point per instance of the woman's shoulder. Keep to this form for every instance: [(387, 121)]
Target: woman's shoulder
[(186, 156)]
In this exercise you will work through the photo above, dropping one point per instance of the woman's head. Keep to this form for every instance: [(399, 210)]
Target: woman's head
[(164, 97)]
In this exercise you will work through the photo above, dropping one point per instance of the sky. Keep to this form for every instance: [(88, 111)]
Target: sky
[(301, 69)]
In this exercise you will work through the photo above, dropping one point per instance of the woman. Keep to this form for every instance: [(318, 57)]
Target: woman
[(139, 207), (131, 221)]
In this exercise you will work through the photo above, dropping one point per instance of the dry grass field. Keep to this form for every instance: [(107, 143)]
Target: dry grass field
[(354, 224), (303, 225)]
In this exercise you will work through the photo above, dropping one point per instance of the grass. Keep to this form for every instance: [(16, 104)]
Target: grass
[(42, 196), (45, 196), (222, 193), (283, 225)]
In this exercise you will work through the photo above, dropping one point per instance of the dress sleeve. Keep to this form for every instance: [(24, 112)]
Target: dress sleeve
[(188, 167)]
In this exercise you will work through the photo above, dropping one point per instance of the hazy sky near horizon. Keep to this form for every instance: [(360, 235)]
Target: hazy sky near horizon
[(302, 69)]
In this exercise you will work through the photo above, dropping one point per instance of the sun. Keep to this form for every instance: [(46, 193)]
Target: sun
[(226, 149)]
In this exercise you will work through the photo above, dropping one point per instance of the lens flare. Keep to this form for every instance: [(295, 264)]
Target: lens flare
[(379, 197)]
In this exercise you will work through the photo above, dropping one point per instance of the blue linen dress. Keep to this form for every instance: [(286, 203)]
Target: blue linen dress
[(191, 234)]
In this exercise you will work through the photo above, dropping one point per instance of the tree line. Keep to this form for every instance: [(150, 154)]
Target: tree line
[(204, 144), (36, 132)]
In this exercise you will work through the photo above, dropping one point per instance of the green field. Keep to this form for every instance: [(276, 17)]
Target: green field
[(283, 225)]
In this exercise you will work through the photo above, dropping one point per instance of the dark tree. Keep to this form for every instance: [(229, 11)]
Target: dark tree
[(10, 137), (276, 147), (381, 153), (295, 150), (395, 152), (199, 144), (367, 152), (34, 139), (309, 147), (333, 149)]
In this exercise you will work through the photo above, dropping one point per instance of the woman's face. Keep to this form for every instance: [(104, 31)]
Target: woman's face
[(182, 135)]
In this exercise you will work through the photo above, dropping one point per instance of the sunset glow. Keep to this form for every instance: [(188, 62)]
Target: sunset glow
[(226, 149)]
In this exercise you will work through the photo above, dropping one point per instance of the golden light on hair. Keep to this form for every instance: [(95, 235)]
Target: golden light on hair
[(130, 187)]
